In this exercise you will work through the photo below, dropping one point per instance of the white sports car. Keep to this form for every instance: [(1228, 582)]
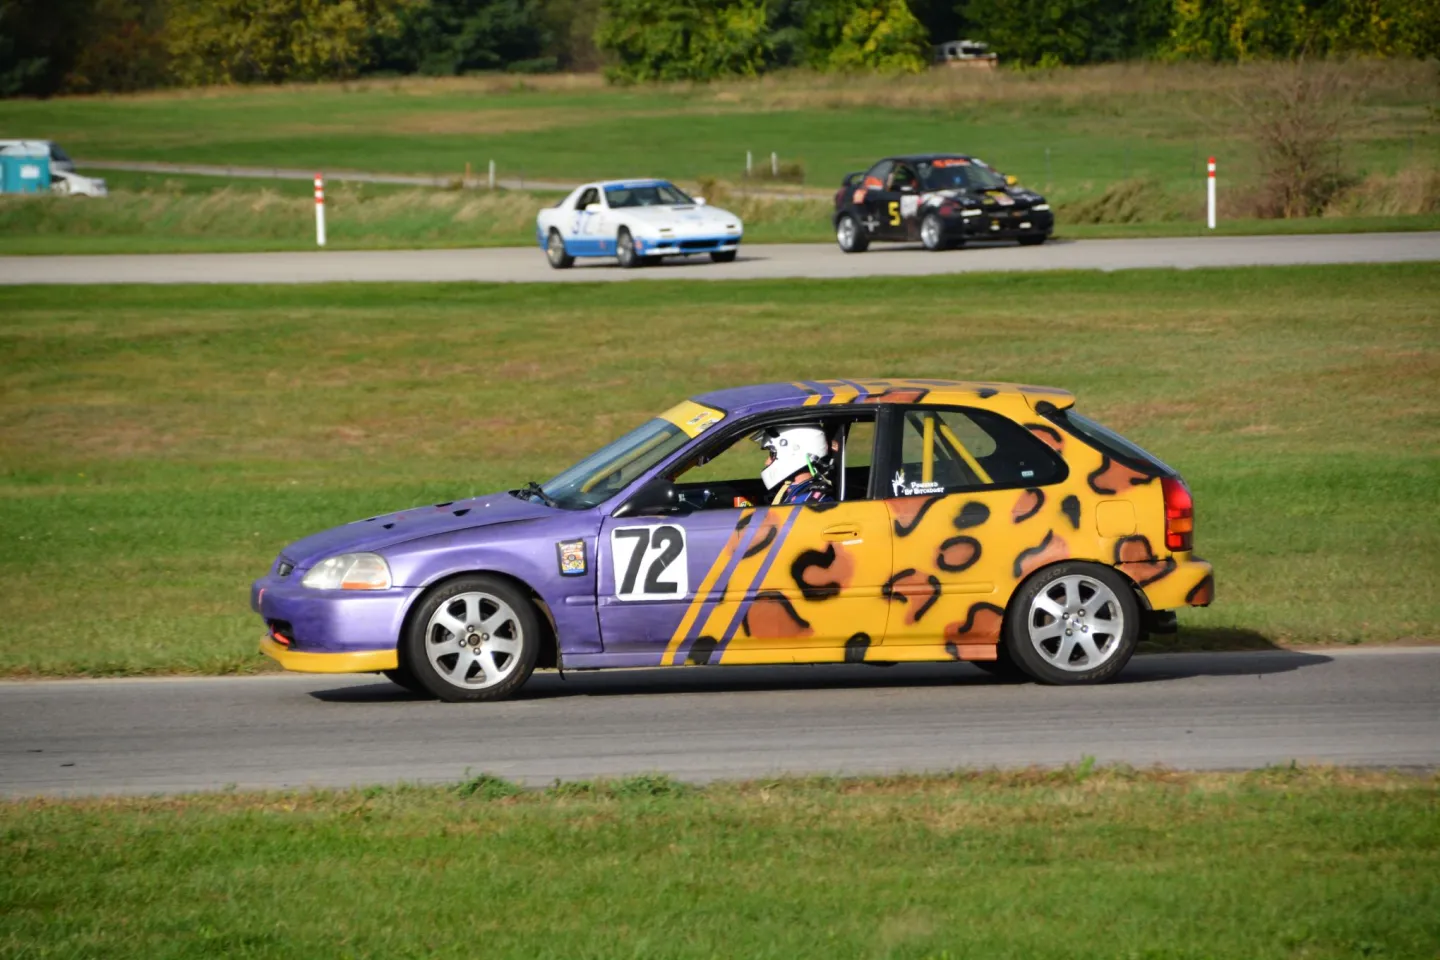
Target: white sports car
[(637, 222)]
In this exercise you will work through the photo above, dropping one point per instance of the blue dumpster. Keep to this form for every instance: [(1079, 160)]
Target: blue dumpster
[(24, 171)]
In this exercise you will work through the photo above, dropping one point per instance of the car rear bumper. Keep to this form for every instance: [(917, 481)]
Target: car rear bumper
[(330, 631), (1189, 583)]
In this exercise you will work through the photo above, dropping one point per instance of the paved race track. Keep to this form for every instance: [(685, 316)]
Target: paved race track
[(759, 261), (1202, 711)]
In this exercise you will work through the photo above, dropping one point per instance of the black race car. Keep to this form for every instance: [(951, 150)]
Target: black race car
[(940, 199)]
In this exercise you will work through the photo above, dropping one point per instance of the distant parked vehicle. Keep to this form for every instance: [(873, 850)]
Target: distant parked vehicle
[(59, 159), (966, 53), (70, 184)]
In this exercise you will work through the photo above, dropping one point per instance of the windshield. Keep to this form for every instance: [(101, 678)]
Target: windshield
[(57, 154), (956, 173), (610, 469), (659, 194)]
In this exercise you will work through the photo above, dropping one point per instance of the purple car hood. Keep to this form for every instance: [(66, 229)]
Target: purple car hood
[(377, 533)]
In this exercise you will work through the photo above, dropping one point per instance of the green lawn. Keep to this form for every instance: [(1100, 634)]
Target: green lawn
[(1074, 134), (1080, 863), (159, 445)]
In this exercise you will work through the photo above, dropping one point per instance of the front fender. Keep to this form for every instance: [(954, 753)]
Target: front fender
[(527, 551)]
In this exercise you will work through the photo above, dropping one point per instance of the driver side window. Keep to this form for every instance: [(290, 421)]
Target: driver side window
[(727, 475), (588, 197)]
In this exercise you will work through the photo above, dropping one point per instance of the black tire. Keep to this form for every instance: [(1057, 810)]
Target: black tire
[(1092, 598), (521, 630), (1034, 241), (850, 234), (625, 251), (555, 252), (403, 677), (723, 256), (932, 233)]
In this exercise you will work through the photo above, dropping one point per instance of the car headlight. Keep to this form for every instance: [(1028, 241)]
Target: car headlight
[(971, 212), (1040, 207), (349, 571), (732, 228)]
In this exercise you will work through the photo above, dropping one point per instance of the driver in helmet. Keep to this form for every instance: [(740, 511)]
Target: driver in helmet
[(797, 461)]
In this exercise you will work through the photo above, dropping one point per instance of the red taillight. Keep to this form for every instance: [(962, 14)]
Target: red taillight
[(1179, 514)]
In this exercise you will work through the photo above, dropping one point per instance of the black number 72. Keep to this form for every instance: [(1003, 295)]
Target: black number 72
[(668, 540)]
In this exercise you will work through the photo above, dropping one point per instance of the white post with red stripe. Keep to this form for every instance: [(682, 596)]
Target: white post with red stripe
[(319, 210), (1210, 195)]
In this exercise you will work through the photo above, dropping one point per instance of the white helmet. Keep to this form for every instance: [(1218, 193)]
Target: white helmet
[(794, 447)]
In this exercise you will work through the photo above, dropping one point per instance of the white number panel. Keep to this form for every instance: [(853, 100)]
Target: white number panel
[(650, 563)]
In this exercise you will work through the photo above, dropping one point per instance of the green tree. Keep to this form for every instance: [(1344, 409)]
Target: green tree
[(1056, 32), (39, 40), (683, 39), (274, 41), (881, 35), (448, 37), (124, 48)]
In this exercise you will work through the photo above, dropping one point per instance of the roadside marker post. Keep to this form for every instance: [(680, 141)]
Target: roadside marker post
[(319, 210), (1210, 194), (774, 166), (492, 174)]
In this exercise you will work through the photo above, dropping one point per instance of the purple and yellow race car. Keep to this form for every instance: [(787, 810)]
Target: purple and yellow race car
[(823, 521)]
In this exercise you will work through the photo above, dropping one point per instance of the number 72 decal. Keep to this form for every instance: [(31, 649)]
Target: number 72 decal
[(650, 563)]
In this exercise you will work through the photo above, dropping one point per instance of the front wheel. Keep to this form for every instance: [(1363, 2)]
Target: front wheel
[(723, 256), (1034, 241), (473, 638), (1073, 623), (555, 252), (625, 250), (932, 232), (851, 235)]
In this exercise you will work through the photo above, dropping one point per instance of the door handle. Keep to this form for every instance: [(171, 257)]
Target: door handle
[(843, 531)]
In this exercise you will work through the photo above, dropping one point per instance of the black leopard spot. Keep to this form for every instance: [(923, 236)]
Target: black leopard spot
[(1028, 505), (855, 648), (972, 514), (772, 615), (957, 554), (993, 618), (763, 544), (1070, 506), (801, 572), (909, 511), (701, 651)]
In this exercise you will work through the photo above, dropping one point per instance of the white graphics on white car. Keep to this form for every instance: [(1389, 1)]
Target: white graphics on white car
[(637, 222)]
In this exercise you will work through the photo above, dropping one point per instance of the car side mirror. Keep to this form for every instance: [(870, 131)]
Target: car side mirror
[(590, 208), (657, 497), (1011, 181), (699, 201)]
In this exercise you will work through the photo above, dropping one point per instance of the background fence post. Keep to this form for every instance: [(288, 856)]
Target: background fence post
[(1210, 194), (492, 174), (319, 210), (747, 163), (774, 165)]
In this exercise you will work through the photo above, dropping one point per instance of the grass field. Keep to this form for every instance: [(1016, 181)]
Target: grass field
[(159, 445), (1079, 135), (1078, 863)]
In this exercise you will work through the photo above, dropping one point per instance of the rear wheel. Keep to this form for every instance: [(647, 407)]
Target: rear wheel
[(555, 251), (723, 256), (1073, 623), (1033, 241), (625, 250), (851, 235), (932, 232), (473, 638)]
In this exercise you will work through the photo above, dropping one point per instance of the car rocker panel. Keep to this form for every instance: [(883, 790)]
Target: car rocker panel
[(913, 564)]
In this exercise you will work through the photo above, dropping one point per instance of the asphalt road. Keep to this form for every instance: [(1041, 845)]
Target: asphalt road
[(758, 261), (1200, 711)]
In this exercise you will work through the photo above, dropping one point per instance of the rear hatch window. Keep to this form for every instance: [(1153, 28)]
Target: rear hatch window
[(1111, 444)]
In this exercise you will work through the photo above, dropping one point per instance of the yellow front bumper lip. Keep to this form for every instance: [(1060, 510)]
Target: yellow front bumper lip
[(361, 661)]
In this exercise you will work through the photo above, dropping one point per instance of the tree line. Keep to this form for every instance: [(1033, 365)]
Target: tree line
[(84, 46)]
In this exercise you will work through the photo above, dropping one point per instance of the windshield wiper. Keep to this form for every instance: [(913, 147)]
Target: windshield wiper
[(533, 489)]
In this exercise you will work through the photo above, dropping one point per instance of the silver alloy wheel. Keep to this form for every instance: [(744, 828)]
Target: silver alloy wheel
[(930, 232), (555, 248), (1076, 623), (845, 233), (474, 640)]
